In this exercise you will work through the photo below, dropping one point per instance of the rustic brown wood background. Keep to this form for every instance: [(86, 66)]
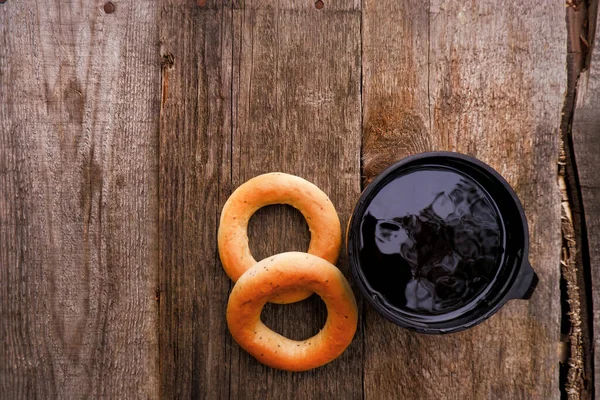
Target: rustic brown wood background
[(125, 125)]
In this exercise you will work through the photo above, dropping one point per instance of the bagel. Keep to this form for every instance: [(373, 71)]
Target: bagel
[(280, 274), (276, 188)]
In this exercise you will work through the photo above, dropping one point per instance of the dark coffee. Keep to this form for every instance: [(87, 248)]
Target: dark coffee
[(431, 241)]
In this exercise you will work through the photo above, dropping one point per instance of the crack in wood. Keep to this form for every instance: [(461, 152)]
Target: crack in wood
[(577, 373), (575, 364)]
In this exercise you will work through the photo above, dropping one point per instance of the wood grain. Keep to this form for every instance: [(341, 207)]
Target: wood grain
[(78, 123), (296, 109), (125, 126), (478, 78), (194, 179), (586, 146)]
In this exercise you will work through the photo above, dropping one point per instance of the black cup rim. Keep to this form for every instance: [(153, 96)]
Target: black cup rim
[(511, 289)]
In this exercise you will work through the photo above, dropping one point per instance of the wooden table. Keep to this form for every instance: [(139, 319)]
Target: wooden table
[(125, 126)]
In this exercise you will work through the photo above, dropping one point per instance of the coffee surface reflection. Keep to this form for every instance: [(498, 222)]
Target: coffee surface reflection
[(431, 241)]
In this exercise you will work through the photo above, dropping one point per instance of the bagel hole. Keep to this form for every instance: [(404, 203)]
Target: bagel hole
[(277, 229), (297, 321)]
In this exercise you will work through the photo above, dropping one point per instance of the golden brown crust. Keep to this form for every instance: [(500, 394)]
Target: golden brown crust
[(289, 272), (276, 188)]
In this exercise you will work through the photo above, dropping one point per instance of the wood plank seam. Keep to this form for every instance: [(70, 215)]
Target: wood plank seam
[(578, 371)]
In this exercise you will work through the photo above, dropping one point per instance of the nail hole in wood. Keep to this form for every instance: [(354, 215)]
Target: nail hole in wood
[(109, 7)]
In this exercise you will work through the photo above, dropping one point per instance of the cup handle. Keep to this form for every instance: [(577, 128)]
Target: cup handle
[(526, 283)]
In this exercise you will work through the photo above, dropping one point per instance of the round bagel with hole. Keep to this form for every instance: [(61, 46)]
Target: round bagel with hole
[(284, 273), (277, 188)]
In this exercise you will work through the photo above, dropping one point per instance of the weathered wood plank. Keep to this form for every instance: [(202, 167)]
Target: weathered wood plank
[(483, 79), (247, 88), (296, 109), (78, 123), (586, 145), (194, 179)]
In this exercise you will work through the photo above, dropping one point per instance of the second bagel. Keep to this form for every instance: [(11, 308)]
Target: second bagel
[(279, 274)]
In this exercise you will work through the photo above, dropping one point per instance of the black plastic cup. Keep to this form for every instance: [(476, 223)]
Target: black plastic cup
[(515, 278)]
